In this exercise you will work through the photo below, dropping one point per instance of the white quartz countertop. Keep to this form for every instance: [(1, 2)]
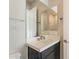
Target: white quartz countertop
[(41, 45)]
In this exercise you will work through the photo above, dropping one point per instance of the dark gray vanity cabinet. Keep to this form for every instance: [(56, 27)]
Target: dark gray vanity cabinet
[(52, 52)]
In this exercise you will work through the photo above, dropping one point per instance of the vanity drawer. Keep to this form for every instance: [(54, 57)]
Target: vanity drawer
[(49, 50)]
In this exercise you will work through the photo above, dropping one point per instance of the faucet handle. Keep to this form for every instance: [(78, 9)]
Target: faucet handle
[(43, 37)]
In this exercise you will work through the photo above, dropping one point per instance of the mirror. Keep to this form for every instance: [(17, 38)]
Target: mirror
[(46, 17), (48, 21)]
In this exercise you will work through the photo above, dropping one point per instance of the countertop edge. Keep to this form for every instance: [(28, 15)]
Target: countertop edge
[(44, 48)]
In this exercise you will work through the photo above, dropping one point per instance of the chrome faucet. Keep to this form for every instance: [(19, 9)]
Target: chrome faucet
[(41, 38)]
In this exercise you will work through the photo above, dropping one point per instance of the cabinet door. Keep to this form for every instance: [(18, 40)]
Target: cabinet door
[(32, 54), (58, 52), (51, 56)]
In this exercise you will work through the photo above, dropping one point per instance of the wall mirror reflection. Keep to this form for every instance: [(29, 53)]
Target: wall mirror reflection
[(43, 17)]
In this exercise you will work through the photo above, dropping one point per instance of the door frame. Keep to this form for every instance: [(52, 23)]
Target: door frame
[(63, 27)]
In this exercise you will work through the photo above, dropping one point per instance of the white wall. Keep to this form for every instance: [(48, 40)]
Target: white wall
[(17, 9), (17, 27), (16, 35), (17, 38), (31, 23)]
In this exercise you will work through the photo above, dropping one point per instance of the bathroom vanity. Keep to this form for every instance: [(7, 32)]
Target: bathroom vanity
[(52, 52), (44, 49)]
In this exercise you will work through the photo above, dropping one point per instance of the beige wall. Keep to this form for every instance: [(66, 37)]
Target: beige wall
[(60, 26), (66, 28), (48, 20), (52, 22), (63, 27), (44, 21)]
